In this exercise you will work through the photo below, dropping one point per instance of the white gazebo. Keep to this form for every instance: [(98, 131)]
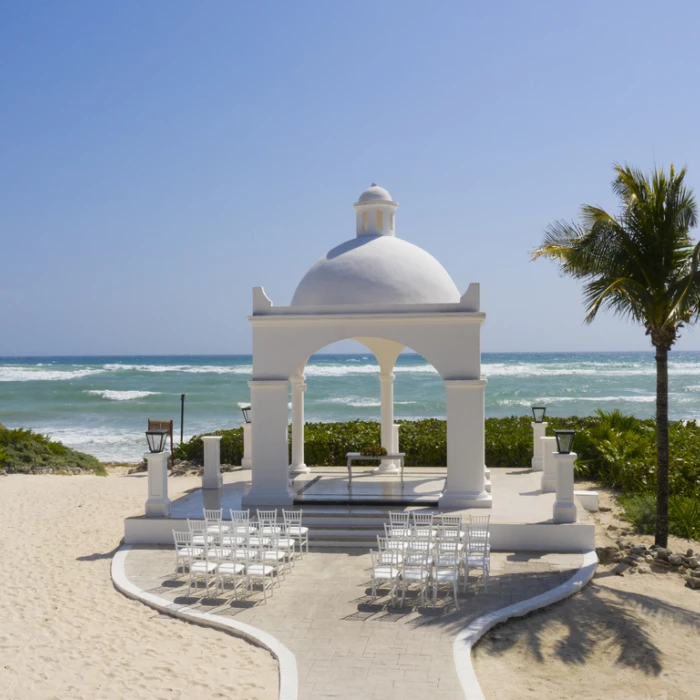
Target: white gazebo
[(389, 295)]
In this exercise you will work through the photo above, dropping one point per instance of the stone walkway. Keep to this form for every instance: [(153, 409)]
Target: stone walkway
[(346, 646)]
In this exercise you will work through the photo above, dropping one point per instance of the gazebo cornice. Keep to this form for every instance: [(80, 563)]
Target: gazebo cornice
[(377, 318)]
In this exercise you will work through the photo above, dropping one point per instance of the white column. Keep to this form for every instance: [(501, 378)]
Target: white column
[(538, 432), (564, 506), (211, 475), (269, 400), (158, 503), (395, 438), (386, 382), (549, 472), (298, 388), (465, 487), (247, 461)]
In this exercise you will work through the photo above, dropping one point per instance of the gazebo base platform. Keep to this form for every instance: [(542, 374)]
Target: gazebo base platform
[(342, 515), (332, 486)]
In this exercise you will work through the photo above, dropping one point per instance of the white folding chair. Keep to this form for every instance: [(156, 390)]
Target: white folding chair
[(257, 570), (240, 521), (274, 555), (415, 570), (232, 569), (214, 519), (266, 519), (447, 568), (200, 570), (390, 544), (292, 520), (477, 555), (401, 519), (184, 550), (423, 523), (398, 535), (385, 569), (198, 530), (450, 526)]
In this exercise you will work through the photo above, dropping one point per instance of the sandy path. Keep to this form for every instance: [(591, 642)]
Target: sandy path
[(65, 632), (621, 638)]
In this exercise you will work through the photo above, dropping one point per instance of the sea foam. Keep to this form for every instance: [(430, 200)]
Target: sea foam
[(121, 395), (17, 373)]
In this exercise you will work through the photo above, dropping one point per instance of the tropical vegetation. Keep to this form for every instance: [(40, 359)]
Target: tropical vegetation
[(24, 451), (643, 265)]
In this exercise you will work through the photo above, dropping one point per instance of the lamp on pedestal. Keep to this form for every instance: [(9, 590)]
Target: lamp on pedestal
[(565, 440), (539, 429), (156, 440), (564, 458), (158, 503)]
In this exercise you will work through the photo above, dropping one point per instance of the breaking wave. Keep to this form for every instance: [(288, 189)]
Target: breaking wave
[(121, 395)]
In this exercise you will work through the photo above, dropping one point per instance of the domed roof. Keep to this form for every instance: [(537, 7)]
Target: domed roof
[(376, 270), (375, 193)]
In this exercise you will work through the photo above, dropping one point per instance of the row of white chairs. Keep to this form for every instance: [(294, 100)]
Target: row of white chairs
[(265, 522), (430, 552), (244, 551)]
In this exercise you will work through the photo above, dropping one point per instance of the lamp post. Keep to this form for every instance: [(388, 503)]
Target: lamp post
[(158, 503), (156, 440), (565, 440), (247, 461), (539, 430), (564, 458)]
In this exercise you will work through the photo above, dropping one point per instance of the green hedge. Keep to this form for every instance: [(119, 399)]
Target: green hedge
[(23, 450), (617, 450)]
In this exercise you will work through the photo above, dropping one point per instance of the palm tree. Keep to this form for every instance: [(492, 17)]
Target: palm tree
[(642, 265)]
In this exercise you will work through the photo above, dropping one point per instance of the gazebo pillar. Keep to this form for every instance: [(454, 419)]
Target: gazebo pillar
[(386, 382), (466, 484), (269, 400), (298, 388)]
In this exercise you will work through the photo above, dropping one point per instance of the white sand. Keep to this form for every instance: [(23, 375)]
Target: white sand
[(621, 638), (65, 632)]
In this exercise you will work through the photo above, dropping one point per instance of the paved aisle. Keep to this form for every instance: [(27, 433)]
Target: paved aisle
[(347, 647)]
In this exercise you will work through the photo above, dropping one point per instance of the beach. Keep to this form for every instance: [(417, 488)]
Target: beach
[(631, 637), (67, 633)]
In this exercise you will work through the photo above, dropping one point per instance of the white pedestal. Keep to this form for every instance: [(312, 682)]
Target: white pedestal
[(549, 473), (564, 506), (538, 432), (211, 477), (158, 503), (247, 461)]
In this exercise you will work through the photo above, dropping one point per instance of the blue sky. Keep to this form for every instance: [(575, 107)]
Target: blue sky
[(160, 159)]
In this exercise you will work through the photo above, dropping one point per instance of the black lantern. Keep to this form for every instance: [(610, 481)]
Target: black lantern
[(565, 439), (246, 413), (538, 413), (156, 439)]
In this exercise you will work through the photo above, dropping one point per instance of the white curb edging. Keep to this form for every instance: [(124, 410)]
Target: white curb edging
[(288, 682), (470, 635)]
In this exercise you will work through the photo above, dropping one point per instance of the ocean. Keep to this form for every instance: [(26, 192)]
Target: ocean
[(101, 405)]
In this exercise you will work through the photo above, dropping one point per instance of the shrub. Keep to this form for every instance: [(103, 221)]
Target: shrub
[(684, 514), (22, 450)]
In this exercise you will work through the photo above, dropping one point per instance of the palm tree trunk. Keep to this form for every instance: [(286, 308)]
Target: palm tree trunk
[(661, 535)]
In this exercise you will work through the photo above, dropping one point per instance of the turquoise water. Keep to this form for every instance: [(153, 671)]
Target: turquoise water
[(101, 404)]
